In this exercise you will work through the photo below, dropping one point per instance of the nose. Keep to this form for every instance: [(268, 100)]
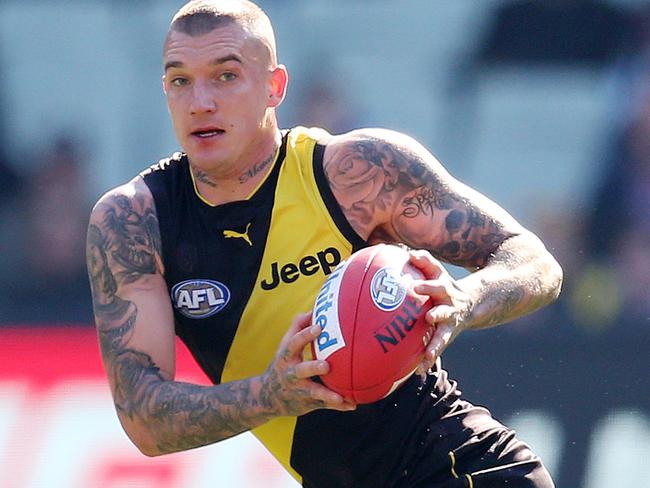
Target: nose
[(203, 100)]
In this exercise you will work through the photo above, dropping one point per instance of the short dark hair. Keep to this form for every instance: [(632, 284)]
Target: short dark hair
[(198, 17)]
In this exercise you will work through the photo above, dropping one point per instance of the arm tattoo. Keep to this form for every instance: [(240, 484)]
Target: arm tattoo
[(526, 285), (183, 416), (132, 238), (420, 206), (272, 395), (392, 191), (123, 246), (190, 417), (501, 299)]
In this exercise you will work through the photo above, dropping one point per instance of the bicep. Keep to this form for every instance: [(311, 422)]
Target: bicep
[(392, 189), (454, 222), (139, 330)]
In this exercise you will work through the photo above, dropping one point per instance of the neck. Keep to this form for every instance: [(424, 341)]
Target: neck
[(234, 182)]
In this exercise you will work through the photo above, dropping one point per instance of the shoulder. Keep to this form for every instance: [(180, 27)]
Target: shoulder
[(377, 134), (372, 140), (370, 170), (124, 224), (133, 196), (379, 151), (392, 189)]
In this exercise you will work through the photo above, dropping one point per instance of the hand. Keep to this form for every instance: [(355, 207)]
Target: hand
[(452, 306), (287, 386)]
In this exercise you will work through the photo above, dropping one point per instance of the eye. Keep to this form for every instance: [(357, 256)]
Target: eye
[(227, 76), (179, 81)]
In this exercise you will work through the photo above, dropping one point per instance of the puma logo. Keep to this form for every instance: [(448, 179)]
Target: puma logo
[(232, 234)]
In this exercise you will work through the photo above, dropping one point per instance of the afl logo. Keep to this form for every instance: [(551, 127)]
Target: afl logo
[(386, 289), (198, 299)]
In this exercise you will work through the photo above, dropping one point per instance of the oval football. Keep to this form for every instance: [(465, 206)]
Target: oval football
[(372, 322)]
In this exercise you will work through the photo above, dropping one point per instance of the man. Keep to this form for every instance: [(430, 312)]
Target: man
[(225, 243)]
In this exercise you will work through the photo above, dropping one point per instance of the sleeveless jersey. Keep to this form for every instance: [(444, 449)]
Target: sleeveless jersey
[(237, 275)]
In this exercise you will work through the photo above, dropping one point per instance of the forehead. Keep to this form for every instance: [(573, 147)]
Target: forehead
[(220, 43)]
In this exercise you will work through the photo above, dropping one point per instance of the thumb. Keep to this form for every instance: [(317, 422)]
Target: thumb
[(441, 338), (440, 314)]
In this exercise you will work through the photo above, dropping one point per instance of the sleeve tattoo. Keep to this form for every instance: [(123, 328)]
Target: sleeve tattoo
[(425, 210), (123, 246)]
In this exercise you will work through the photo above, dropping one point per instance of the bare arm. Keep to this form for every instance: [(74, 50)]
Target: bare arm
[(393, 190), (135, 327)]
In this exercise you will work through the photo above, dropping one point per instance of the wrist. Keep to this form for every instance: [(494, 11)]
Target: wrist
[(469, 304), (266, 388)]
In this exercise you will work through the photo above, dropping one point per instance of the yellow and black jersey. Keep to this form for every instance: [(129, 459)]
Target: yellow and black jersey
[(237, 275)]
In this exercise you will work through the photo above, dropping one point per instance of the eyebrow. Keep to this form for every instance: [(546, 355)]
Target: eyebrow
[(216, 62)]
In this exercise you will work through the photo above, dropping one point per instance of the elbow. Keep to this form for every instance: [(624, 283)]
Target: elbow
[(148, 448), (553, 276), (142, 437), (146, 444), (548, 272), (150, 452)]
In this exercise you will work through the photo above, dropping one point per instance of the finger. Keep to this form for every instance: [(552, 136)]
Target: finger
[(307, 369), (346, 406), (330, 399), (422, 370), (440, 313), (429, 355), (432, 288), (427, 362), (296, 344), (430, 267), (301, 321), (439, 341)]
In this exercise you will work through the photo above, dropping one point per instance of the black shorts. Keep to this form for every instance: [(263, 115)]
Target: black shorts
[(468, 448)]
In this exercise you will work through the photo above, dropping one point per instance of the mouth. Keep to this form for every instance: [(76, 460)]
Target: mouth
[(207, 132)]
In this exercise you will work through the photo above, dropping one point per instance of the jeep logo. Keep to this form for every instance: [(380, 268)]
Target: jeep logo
[(309, 265)]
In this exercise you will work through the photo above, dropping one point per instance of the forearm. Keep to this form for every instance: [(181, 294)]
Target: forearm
[(167, 416), (520, 277)]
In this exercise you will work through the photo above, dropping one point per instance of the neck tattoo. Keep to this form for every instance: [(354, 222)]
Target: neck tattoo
[(256, 169), (203, 177)]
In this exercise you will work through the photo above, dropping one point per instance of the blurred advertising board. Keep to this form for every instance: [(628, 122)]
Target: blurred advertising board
[(581, 402), (58, 428)]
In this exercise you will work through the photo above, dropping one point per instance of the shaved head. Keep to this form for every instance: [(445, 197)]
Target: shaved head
[(199, 17)]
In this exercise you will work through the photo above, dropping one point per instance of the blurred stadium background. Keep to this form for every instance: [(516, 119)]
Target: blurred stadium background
[(544, 105)]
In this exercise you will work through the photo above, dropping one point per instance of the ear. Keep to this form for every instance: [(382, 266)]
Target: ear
[(164, 88), (278, 86)]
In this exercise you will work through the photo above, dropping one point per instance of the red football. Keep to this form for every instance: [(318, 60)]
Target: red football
[(373, 328)]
